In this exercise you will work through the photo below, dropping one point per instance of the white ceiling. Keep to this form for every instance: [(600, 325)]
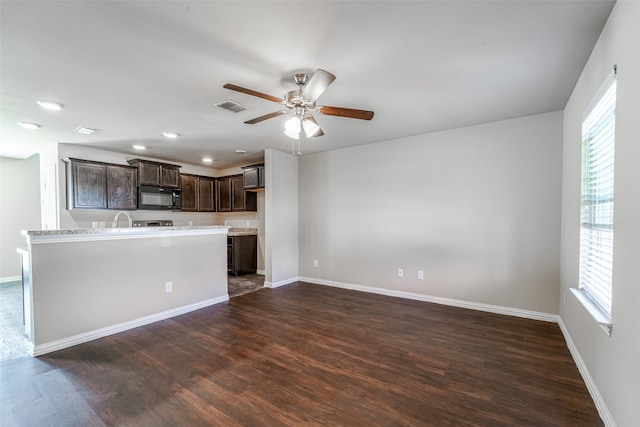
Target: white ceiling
[(135, 68)]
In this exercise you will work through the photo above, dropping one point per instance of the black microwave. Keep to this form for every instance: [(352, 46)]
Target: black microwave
[(159, 198)]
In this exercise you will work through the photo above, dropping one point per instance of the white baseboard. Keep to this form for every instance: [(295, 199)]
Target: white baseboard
[(527, 314), (41, 349), (10, 279), (262, 272), (281, 283), (603, 409)]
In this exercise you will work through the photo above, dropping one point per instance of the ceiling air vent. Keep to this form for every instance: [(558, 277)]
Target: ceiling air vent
[(85, 130), (232, 106)]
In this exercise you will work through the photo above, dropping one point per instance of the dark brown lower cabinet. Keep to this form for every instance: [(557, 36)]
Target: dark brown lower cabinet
[(242, 254)]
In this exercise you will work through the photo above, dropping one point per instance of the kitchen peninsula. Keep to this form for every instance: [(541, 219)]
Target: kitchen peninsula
[(83, 284)]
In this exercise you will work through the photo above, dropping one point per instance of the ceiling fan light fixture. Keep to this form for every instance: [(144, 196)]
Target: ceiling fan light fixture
[(310, 125), (292, 127)]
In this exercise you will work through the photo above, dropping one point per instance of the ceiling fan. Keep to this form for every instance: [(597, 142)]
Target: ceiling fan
[(302, 102)]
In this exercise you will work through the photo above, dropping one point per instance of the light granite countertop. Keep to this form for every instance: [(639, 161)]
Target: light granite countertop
[(119, 230), (95, 234), (109, 233), (233, 231)]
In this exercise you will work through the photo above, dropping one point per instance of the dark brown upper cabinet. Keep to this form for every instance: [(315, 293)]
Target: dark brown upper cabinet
[(97, 185), (122, 191), (189, 193), (206, 194), (237, 193), (253, 177), (241, 200), (157, 174), (223, 194), (198, 193)]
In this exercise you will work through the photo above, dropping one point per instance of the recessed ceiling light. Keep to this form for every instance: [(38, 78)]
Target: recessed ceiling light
[(207, 159), (241, 151), (51, 105), (29, 125), (170, 135), (85, 130), (139, 147)]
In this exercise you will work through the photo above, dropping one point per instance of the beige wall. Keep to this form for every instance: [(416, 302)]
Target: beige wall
[(611, 361), (281, 218), (477, 209), (81, 287), (19, 210)]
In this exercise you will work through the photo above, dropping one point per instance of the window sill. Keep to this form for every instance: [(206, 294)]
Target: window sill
[(603, 319)]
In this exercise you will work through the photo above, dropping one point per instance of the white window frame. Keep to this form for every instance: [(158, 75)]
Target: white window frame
[(595, 287)]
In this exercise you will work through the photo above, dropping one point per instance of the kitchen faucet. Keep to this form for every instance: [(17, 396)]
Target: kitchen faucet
[(115, 221)]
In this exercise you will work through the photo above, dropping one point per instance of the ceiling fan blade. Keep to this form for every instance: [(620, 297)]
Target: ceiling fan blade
[(345, 112), (317, 85), (252, 92), (266, 117)]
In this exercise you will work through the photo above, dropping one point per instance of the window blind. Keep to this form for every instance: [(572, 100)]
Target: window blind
[(596, 215)]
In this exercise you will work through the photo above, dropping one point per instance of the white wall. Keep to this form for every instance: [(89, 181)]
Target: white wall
[(19, 210), (477, 209), (281, 218), (613, 362)]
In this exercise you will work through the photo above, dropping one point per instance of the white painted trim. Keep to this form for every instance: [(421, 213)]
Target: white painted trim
[(93, 235), (527, 314), (10, 279), (281, 283), (599, 315), (41, 349), (262, 272), (601, 405)]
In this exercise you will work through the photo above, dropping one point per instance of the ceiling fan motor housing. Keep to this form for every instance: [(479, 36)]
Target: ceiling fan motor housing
[(300, 79), (294, 99)]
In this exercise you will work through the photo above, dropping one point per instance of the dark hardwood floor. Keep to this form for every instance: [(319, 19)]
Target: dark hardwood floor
[(308, 355)]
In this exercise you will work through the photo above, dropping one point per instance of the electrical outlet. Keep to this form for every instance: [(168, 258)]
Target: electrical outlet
[(168, 287), (315, 263), (420, 275), (400, 272)]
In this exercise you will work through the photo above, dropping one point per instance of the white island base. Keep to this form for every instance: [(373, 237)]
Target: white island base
[(85, 284)]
